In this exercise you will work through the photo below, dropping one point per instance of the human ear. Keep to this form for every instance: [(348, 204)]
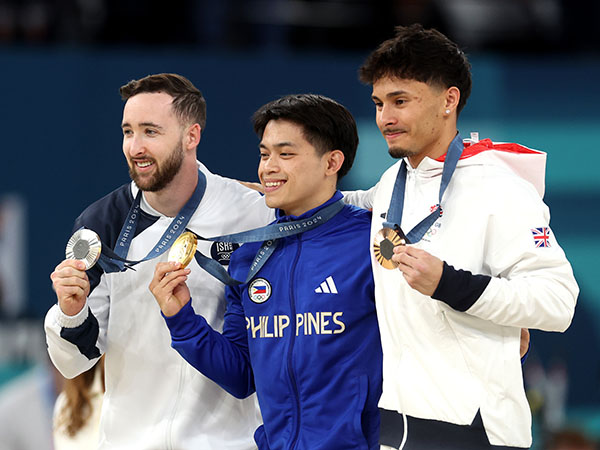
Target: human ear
[(451, 99), (335, 159), (192, 136)]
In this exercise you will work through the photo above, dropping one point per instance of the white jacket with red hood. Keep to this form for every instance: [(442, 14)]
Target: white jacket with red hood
[(446, 359)]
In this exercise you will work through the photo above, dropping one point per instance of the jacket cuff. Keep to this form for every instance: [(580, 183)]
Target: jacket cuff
[(460, 289), (183, 323), (65, 321)]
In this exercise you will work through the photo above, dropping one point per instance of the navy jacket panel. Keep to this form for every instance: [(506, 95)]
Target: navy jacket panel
[(106, 217)]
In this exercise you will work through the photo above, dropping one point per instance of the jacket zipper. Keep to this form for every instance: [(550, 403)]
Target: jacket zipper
[(291, 348), (169, 431)]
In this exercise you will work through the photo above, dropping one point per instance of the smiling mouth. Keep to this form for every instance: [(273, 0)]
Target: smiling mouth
[(273, 185), (143, 163)]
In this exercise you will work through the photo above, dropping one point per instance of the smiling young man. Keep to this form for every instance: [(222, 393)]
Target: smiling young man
[(482, 261), (302, 332), (153, 398)]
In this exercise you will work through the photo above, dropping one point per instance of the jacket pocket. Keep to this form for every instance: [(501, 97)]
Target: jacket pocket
[(360, 412)]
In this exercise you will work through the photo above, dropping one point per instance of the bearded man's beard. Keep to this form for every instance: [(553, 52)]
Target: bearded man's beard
[(164, 173)]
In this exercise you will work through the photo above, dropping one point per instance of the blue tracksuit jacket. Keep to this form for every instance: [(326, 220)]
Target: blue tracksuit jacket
[(303, 334)]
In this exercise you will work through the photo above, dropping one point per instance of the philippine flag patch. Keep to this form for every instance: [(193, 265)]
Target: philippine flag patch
[(259, 290), (541, 236)]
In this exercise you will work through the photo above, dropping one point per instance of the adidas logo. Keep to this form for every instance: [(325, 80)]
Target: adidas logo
[(327, 287)]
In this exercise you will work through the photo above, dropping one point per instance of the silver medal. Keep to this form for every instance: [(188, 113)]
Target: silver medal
[(84, 246)]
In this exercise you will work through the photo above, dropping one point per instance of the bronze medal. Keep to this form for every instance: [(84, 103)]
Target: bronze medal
[(183, 249), (383, 246), (84, 246)]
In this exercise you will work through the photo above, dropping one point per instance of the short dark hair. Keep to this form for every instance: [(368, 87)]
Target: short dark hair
[(326, 124), (188, 103), (422, 55)]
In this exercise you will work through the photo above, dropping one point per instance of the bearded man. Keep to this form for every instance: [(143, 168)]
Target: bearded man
[(154, 399)]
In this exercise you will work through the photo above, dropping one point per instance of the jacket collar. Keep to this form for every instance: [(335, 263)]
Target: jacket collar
[(281, 217)]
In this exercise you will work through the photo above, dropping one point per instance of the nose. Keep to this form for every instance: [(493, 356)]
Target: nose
[(386, 116), (268, 165), (133, 145)]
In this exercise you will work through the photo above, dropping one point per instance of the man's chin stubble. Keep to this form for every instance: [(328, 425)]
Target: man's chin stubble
[(398, 153)]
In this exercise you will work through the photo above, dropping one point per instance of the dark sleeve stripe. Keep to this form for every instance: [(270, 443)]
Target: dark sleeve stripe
[(460, 289), (84, 337)]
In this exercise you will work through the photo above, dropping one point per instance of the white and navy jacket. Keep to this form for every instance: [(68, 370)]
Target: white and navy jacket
[(154, 399), (449, 356), (303, 334)]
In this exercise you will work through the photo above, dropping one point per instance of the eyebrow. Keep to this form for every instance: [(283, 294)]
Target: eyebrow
[(142, 124), (391, 94), (279, 144)]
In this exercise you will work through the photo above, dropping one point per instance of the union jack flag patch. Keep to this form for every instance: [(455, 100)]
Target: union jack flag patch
[(541, 237)]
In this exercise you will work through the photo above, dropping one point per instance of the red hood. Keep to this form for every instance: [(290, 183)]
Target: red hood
[(527, 163)]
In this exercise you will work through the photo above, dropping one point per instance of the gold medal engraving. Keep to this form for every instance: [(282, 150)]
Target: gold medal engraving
[(84, 246), (383, 247), (183, 249)]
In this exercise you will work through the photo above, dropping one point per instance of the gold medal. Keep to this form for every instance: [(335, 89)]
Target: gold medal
[(183, 249), (84, 246), (383, 246)]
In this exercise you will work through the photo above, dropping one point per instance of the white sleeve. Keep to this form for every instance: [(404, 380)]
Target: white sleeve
[(92, 321), (532, 283), (362, 199)]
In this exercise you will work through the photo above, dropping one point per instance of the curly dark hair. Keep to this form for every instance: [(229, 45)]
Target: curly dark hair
[(420, 54)]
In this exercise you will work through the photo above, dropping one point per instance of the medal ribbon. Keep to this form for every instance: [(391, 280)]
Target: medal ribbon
[(270, 234), (395, 210), (114, 261)]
